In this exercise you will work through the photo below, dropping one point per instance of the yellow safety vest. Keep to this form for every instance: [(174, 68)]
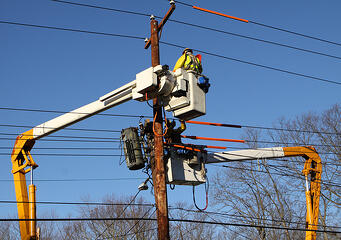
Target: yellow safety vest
[(189, 62)]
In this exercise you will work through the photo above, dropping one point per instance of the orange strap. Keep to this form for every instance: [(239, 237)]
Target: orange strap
[(215, 124), (216, 147), (214, 139), (188, 148), (220, 14)]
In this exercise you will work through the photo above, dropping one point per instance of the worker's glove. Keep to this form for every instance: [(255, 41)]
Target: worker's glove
[(203, 83)]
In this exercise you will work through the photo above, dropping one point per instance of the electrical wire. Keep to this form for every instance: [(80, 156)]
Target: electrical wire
[(241, 216), (203, 27), (67, 128), (328, 183), (132, 200), (56, 111), (74, 180), (182, 47), (82, 203), (63, 136), (103, 8), (67, 140), (249, 225), (255, 64), (127, 233), (280, 29), (77, 138), (142, 116), (71, 30), (70, 154), (171, 220), (69, 148), (148, 205)]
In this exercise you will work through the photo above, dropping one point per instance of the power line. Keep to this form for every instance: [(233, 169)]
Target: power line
[(68, 148), (74, 180), (255, 39), (56, 111), (67, 128), (70, 155), (76, 138), (256, 64), (201, 27), (107, 227), (142, 116), (103, 8), (179, 46), (68, 140), (64, 136), (172, 220), (328, 183), (72, 30), (238, 216), (148, 205), (83, 203), (280, 29), (249, 225), (295, 33)]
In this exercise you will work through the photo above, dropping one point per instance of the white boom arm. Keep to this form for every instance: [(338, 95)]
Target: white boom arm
[(179, 90), (312, 167), (105, 102), (249, 154), (22, 161)]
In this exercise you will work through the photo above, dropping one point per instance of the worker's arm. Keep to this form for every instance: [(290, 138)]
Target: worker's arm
[(180, 63)]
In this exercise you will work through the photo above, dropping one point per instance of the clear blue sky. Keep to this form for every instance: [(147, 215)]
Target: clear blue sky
[(58, 70)]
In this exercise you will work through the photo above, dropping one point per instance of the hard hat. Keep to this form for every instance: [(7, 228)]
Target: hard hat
[(187, 50)]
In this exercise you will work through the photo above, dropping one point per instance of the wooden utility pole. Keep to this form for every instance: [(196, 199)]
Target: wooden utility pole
[(158, 163)]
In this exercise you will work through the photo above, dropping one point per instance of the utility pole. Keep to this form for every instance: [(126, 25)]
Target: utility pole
[(157, 161)]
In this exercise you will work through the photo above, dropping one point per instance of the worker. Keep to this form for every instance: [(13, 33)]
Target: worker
[(189, 62), (173, 135)]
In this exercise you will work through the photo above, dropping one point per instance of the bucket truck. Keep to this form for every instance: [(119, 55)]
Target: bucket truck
[(191, 171), (178, 90)]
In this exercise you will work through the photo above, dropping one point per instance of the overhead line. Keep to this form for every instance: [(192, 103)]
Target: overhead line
[(202, 27), (83, 203), (67, 128), (109, 130), (256, 64), (67, 140), (172, 220), (118, 148), (103, 8), (68, 148), (179, 46), (64, 136), (279, 174), (55, 111), (71, 30), (263, 25), (295, 33), (74, 180), (245, 217), (69, 155), (249, 225)]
